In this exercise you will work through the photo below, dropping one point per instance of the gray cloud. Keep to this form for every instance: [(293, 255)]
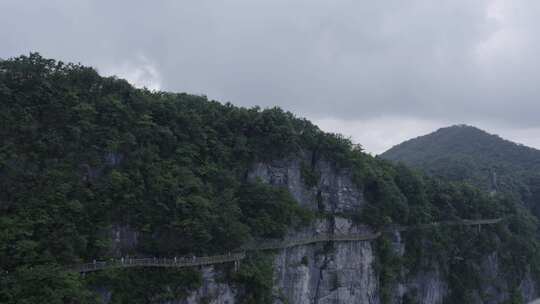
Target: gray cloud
[(350, 65)]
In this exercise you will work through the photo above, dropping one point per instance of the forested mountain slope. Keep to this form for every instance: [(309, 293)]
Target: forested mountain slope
[(465, 153), (86, 160)]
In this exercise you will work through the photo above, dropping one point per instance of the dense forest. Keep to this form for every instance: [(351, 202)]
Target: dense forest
[(80, 152), (466, 153)]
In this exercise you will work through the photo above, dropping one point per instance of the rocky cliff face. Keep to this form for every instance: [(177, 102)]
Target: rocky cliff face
[(212, 291), (334, 191), (336, 272), (322, 273), (341, 272)]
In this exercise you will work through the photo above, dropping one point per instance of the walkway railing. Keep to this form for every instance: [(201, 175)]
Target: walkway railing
[(160, 262), (319, 238), (443, 223), (266, 244)]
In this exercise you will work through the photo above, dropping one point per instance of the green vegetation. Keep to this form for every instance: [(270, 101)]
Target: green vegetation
[(456, 251), (34, 284), (468, 156), (270, 211), (388, 266), (79, 152), (463, 153), (145, 285), (309, 175), (255, 276)]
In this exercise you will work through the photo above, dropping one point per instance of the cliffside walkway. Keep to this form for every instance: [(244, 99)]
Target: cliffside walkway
[(160, 262), (178, 262), (444, 223)]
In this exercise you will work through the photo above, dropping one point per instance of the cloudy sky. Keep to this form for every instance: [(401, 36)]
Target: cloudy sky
[(377, 71)]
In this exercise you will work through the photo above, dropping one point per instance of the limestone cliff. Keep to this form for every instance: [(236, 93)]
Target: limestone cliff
[(336, 272)]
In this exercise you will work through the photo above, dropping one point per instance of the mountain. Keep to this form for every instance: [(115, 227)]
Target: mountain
[(93, 170), (466, 153)]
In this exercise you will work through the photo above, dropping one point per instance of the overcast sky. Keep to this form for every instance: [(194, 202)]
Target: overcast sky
[(377, 71)]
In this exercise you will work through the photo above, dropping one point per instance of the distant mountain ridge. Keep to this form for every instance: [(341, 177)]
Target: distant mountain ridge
[(466, 153), (464, 139)]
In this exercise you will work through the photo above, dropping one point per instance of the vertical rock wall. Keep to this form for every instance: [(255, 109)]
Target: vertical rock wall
[(340, 272), (334, 272)]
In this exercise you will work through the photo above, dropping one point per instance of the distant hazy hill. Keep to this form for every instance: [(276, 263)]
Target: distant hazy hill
[(467, 153)]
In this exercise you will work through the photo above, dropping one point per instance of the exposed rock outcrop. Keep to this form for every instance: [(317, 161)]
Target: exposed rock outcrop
[(327, 273), (124, 240), (212, 291), (335, 272), (334, 191)]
